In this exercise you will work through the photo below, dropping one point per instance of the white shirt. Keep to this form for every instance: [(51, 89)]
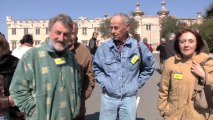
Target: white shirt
[(19, 52)]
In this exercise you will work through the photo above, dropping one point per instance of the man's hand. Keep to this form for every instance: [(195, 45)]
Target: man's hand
[(11, 101)]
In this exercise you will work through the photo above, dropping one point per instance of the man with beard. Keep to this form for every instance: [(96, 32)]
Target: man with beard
[(46, 83)]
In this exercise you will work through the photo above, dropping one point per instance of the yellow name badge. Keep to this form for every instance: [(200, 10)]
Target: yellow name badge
[(134, 59), (178, 76), (59, 61)]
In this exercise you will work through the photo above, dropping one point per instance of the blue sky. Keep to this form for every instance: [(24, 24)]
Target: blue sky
[(45, 9)]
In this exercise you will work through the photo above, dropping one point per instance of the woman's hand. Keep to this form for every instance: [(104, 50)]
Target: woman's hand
[(198, 70)]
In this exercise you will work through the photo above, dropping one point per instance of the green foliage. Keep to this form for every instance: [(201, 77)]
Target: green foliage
[(206, 31), (106, 31), (209, 11), (169, 25), (105, 28), (133, 26)]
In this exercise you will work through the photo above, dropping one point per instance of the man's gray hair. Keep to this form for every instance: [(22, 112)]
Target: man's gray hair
[(63, 18), (124, 16)]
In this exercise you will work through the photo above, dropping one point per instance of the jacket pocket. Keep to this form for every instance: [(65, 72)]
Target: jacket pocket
[(171, 110), (41, 104), (110, 65)]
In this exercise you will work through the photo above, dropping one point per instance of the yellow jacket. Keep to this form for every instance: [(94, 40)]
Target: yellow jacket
[(177, 86)]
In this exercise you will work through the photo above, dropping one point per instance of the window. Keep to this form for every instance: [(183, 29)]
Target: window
[(25, 30), (46, 31), (148, 27), (37, 31), (36, 42), (13, 44), (13, 31), (84, 30), (96, 29)]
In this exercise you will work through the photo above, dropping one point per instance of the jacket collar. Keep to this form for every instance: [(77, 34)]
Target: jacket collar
[(50, 50), (74, 46), (196, 57), (127, 42)]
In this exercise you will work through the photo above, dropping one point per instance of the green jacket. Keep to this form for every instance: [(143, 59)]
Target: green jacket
[(44, 90)]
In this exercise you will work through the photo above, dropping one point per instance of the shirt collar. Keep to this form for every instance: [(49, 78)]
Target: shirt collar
[(128, 41), (180, 57)]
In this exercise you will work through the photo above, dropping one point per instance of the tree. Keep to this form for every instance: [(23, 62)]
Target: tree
[(134, 26), (206, 28), (169, 24), (105, 28), (206, 31), (209, 12), (106, 31)]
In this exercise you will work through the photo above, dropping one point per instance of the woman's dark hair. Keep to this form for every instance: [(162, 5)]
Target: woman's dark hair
[(27, 39), (198, 37), (4, 46)]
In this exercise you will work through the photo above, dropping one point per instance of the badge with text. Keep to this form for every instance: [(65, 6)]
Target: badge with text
[(178, 76), (134, 59), (59, 61)]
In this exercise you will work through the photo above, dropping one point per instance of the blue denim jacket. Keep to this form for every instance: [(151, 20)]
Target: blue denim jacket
[(115, 72)]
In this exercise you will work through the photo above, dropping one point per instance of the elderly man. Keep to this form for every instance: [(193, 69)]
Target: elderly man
[(46, 83), (118, 69)]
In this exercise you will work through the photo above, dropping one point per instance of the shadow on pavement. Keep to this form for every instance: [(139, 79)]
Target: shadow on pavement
[(158, 70), (94, 116), (140, 119)]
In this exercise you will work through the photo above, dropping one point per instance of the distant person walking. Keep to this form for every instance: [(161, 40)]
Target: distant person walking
[(162, 55), (93, 43), (26, 44), (169, 46), (145, 41)]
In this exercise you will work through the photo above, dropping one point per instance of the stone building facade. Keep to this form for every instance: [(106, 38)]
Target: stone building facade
[(149, 27)]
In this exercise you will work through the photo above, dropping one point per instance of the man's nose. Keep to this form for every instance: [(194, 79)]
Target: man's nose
[(61, 37), (112, 30)]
